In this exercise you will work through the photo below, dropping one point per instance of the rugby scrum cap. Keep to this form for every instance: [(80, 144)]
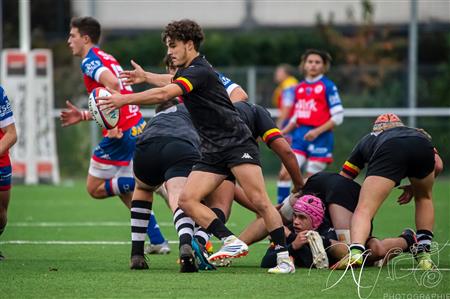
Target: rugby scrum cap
[(387, 121), (311, 206)]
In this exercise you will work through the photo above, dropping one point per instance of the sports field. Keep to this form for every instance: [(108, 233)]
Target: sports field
[(61, 244)]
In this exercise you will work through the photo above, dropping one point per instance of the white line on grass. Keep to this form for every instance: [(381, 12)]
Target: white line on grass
[(415, 269), (85, 224)]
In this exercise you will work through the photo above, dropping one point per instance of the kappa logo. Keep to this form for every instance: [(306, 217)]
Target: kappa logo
[(246, 156)]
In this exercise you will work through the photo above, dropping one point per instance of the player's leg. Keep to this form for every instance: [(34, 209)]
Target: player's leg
[(254, 232), (251, 179), (320, 153), (314, 166), (422, 190), (242, 199), (141, 207), (103, 182), (341, 219), (284, 184), (219, 201), (374, 190), (388, 248)]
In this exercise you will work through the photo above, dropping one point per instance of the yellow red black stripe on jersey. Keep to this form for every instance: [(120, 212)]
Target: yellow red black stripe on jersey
[(271, 134), (350, 169), (185, 83)]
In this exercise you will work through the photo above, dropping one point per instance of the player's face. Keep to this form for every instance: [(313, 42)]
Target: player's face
[(314, 65), (75, 42), (301, 222), (279, 75), (177, 50)]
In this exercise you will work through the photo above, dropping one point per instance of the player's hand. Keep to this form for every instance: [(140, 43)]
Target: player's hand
[(311, 135), (109, 103), (71, 115), (133, 77), (300, 240), (115, 133), (406, 196)]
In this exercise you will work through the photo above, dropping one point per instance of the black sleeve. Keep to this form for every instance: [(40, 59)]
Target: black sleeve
[(265, 126), (193, 77), (355, 163)]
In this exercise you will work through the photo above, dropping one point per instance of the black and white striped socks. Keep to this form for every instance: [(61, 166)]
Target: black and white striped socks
[(184, 226), (140, 214)]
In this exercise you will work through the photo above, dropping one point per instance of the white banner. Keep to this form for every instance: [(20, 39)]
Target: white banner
[(41, 84), (14, 74), (28, 81)]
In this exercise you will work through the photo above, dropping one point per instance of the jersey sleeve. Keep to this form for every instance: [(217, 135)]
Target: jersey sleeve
[(265, 126), (355, 163), (334, 100), (227, 83), (93, 67), (6, 114), (288, 97), (193, 77)]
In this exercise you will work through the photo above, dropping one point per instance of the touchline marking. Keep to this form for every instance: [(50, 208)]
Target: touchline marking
[(55, 242), (85, 224)]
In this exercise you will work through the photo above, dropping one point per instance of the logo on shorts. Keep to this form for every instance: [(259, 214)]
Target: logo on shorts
[(246, 156)]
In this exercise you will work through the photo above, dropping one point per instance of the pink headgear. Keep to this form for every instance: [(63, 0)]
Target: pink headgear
[(311, 206)]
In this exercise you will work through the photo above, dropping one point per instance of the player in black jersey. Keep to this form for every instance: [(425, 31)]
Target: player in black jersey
[(339, 196), (392, 152), (227, 145)]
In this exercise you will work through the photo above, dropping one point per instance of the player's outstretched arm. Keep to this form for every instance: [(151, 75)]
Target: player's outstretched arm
[(148, 97), (9, 138), (281, 147), (138, 75), (72, 115)]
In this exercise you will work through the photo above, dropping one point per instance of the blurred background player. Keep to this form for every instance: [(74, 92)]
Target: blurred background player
[(283, 99), (383, 150), (110, 171), (317, 110), (8, 137)]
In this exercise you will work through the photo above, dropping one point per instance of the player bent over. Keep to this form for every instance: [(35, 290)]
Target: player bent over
[(388, 163), (110, 169), (8, 137)]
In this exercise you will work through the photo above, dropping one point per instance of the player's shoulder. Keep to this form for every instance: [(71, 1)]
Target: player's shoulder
[(328, 83)]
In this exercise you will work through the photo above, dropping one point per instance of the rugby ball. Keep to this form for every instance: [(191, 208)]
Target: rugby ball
[(105, 120)]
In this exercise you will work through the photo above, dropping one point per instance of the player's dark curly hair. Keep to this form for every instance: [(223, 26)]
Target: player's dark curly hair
[(87, 26), (184, 30), (326, 58)]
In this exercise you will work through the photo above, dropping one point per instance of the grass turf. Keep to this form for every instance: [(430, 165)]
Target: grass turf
[(46, 213)]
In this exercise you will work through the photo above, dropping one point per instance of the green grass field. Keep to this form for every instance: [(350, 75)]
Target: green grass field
[(61, 244)]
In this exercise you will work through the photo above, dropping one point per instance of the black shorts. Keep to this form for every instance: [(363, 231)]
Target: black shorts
[(163, 158), (222, 162), (403, 157), (333, 188)]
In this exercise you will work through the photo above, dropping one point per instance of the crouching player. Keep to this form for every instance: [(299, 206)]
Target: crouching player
[(388, 163), (8, 137)]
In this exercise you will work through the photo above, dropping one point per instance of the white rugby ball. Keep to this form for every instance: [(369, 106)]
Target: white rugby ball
[(105, 120)]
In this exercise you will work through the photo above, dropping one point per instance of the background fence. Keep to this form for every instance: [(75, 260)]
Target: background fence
[(365, 91)]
